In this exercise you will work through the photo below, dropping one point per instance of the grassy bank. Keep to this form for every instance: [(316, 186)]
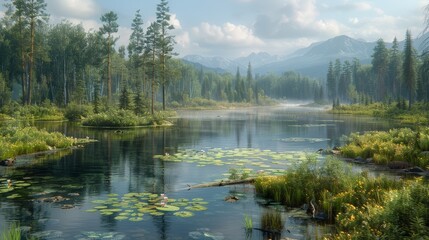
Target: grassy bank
[(125, 118), (418, 114), (25, 140), (361, 207), (395, 145)]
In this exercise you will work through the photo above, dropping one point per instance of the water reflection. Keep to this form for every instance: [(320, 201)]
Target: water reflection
[(122, 162)]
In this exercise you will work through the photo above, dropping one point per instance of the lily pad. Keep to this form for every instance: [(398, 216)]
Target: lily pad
[(157, 213), (135, 219), (196, 208), (168, 208), (120, 217), (184, 214), (13, 196)]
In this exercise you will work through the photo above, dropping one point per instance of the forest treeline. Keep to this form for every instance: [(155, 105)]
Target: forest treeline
[(394, 75), (63, 63)]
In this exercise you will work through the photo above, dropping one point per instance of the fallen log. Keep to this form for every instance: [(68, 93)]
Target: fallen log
[(223, 183)]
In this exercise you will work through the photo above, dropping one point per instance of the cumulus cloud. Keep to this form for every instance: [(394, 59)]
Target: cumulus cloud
[(73, 8), (295, 19), (357, 6), (175, 22), (228, 35)]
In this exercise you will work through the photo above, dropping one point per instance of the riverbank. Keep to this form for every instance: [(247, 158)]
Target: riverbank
[(418, 114), (17, 141)]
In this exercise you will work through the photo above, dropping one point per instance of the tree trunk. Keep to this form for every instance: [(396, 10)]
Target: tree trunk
[(32, 28), (109, 71), (153, 82), (65, 80)]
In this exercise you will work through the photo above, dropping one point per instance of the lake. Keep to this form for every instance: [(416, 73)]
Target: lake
[(111, 189)]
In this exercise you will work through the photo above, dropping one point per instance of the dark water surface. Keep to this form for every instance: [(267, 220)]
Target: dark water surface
[(121, 163)]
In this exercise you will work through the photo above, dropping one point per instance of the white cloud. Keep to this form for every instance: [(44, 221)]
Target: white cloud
[(228, 36), (73, 8), (294, 19), (175, 22)]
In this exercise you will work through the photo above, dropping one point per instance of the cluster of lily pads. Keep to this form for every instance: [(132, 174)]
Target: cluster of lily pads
[(133, 206), (8, 186), (249, 159)]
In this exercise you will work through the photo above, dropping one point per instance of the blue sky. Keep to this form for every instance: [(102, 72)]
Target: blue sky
[(233, 28)]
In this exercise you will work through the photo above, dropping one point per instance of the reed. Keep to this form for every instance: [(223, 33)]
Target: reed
[(13, 233), (248, 223), (271, 221)]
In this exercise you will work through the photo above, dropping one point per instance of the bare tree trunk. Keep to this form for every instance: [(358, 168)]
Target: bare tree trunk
[(109, 71)]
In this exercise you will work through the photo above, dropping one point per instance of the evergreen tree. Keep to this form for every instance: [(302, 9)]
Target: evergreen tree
[(380, 62), (331, 83), (409, 68), (110, 26), (165, 43), (138, 104), (151, 49), (125, 99), (135, 50), (395, 70)]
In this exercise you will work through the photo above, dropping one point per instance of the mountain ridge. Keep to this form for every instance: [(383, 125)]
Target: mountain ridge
[(310, 61)]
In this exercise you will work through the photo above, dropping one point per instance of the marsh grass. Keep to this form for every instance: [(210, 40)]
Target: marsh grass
[(271, 221), (394, 145), (331, 186), (248, 223), (13, 233), (25, 140), (126, 118)]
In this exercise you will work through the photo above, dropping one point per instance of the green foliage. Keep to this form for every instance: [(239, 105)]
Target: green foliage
[(13, 233), (238, 174), (248, 223), (272, 221), (24, 140), (331, 186), (75, 112), (402, 215), (45, 112), (126, 118), (394, 145)]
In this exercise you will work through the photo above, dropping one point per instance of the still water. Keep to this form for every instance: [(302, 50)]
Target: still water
[(58, 191)]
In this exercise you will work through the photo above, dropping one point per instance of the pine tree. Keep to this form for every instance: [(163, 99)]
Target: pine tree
[(409, 69), (110, 26), (331, 83), (165, 43), (380, 61)]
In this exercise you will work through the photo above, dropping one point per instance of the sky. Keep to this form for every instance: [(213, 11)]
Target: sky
[(237, 28)]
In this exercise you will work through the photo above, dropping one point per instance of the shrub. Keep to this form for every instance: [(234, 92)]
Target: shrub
[(75, 112)]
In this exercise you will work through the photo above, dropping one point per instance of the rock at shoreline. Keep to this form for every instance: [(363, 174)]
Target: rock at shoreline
[(398, 165), (8, 162)]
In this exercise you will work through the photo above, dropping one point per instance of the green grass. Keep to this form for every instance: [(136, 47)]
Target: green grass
[(387, 146), (126, 118), (418, 114), (272, 221), (12, 233), (248, 223), (25, 140)]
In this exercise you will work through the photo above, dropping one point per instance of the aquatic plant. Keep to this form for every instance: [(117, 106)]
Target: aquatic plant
[(271, 221), (12, 233), (394, 145), (244, 162), (133, 206), (330, 186), (248, 223), (24, 140)]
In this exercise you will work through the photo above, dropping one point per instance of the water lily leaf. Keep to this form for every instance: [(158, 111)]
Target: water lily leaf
[(113, 195), (135, 219), (196, 208), (156, 213), (184, 214), (91, 210), (197, 199), (98, 201), (120, 217), (13, 196), (180, 204), (100, 207), (106, 213), (168, 208)]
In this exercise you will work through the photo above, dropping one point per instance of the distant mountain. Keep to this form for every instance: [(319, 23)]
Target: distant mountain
[(256, 60), (310, 61)]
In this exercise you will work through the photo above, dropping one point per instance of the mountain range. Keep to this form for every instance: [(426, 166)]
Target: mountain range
[(309, 61)]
